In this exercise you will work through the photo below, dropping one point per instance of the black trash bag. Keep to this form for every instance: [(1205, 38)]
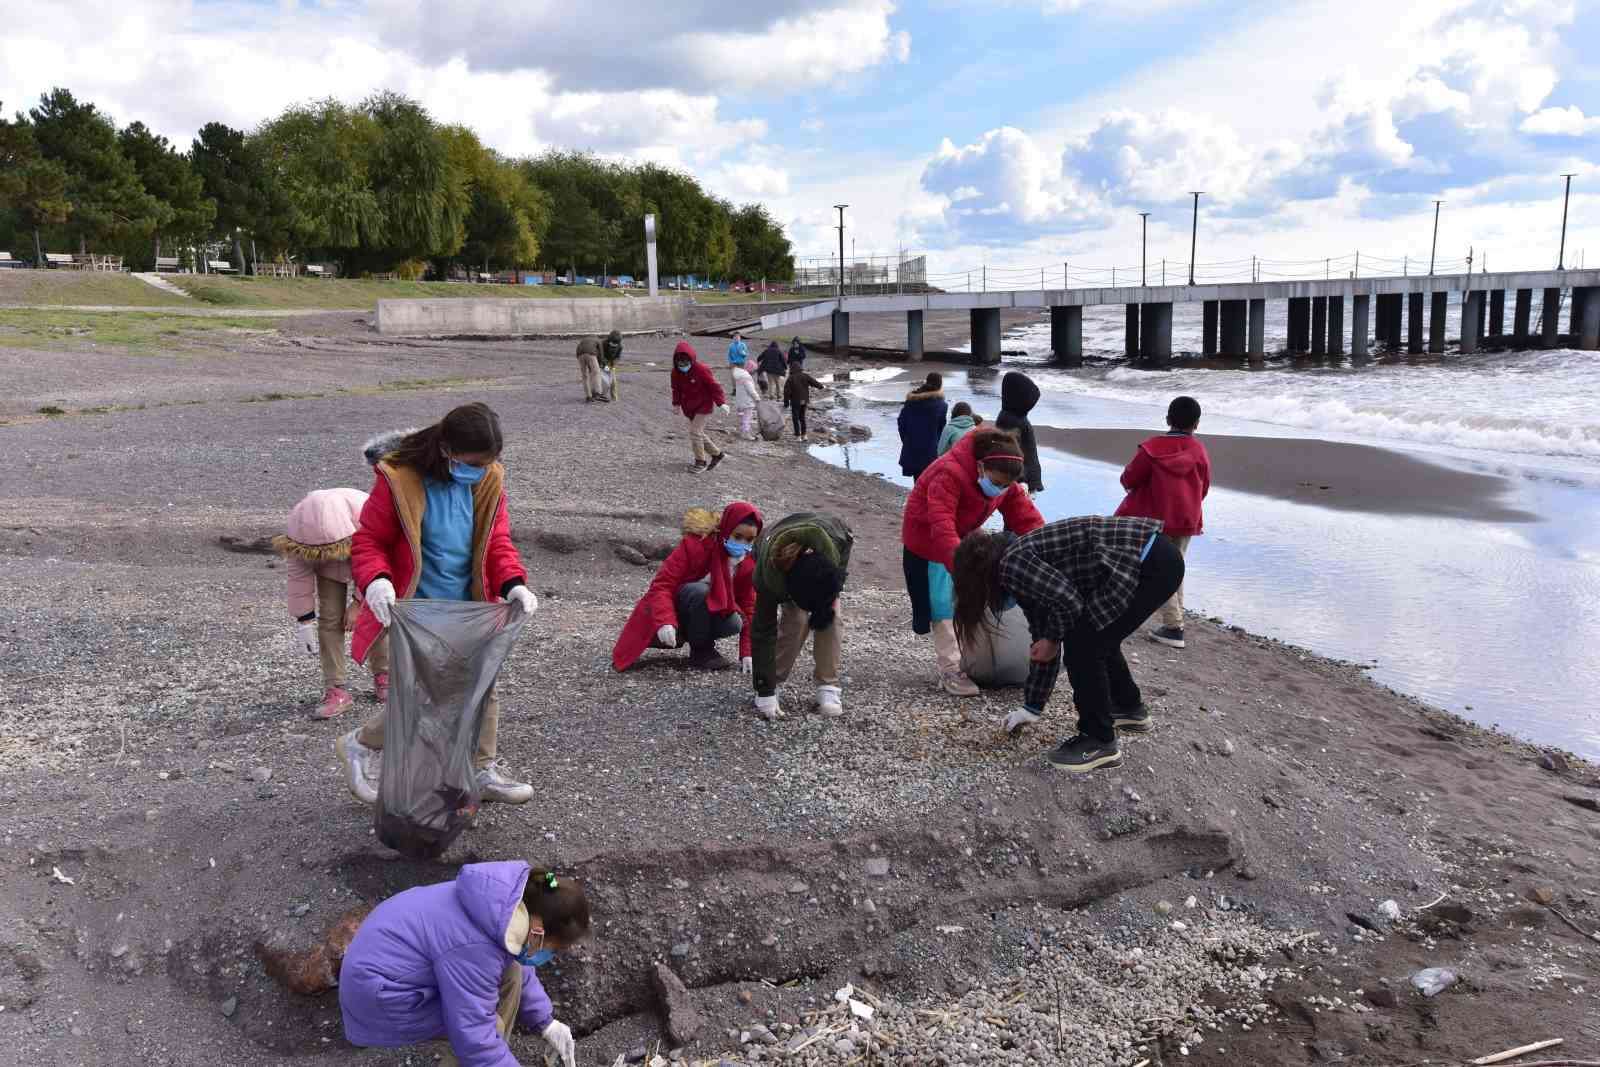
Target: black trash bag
[(444, 657)]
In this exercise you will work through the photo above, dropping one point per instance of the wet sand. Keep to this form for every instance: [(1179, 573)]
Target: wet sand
[(1330, 474)]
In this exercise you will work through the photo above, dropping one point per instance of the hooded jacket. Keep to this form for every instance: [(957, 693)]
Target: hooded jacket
[(797, 351), (772, 361), (738, 352), (1018, 396), (946, 504), (1168, 478), (921, 422), (797, 388), (697, 392), (388, 543), (823, 534), (698, 557), (317, 544), (955, 430), (744, 389), (426, 964)]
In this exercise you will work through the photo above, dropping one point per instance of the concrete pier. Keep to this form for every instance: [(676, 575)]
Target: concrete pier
[(1588, 330), (1319, 325), (1131, 332), (1471, 308), (1299, 324), (1208, 328), (1235, 325), (1436, 317), (914, 346), (1335, 325), (1066, 334), (1520, 317), (1155, 333), (1550, 318), (1414, 323), (1396, 315), (1258, 330), (841, 333), (1358, 326), (985, 336), (1579, 298), (1497, 312)]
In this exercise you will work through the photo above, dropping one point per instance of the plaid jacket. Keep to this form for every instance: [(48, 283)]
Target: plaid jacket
[(1075, 572)]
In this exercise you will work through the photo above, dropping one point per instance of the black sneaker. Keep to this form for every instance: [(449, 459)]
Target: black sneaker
[(698, 468), (715, 460), (1081, 754), (1171, 636), (1135, 720), (708, 660)]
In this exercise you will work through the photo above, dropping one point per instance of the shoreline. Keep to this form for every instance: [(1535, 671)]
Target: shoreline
[(1281, 790)]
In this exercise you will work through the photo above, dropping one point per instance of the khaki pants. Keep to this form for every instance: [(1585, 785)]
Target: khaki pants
[(702, 445), (332, 605), (488, 735), (945, 645), (826, 645), (1172, 611), (589, 374), (505, 1012)]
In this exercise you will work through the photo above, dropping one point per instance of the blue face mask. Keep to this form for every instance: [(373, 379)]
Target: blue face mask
[(990, 490), (737, 549), (466, 473), (683, 368)]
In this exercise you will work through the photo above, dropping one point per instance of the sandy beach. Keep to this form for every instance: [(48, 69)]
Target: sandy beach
[(1217, 900)]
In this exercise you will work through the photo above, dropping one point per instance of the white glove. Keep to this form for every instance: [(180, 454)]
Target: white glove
[(725, 409), (380, 598), (767, 707), (559, 1036), (523, 598), (305, 635), (746, 665), (1018, 719), (668, 636)]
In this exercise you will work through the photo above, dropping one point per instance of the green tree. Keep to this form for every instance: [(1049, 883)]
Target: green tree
[(33, 190), (318, 155), (234, 177), (763, 250), (184, 213), (421, 194), (108, 201), (507, 213)]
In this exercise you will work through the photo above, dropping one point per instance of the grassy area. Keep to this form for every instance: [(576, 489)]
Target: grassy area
[(35, 328), (20, 288), (710, 297), (222, 291)]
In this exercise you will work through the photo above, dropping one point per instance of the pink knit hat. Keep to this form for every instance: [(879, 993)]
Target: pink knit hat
[(321, 525)]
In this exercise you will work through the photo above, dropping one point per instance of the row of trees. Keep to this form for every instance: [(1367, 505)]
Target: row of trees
[(379, 186)]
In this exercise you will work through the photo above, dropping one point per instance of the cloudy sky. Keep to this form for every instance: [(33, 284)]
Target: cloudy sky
[(1013, 133)]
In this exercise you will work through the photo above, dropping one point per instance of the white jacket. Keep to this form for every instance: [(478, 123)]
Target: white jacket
[(744, 387)]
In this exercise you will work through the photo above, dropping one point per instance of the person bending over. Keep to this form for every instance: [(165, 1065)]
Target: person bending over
[(801, 565)]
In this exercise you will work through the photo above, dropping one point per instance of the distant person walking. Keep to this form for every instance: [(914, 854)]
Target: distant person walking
[(1168, 479), (921, 422), (610, 356), (1084, 584), (797, 352), (696, 393), (961, 420), (1018, 396), (745, 399), (797, 395), (772, 368), (738, 352), (589, 369)]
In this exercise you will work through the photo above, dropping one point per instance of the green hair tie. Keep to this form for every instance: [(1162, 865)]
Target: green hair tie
[(550, 882)]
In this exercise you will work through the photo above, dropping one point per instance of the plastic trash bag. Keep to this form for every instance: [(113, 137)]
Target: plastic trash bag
[(606, 378), (998, 656), (444, 657), (769, 417)]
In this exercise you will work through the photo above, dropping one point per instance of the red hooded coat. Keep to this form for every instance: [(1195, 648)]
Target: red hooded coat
[(1169, 476), (946, 504), (698, 557), (695, 393)]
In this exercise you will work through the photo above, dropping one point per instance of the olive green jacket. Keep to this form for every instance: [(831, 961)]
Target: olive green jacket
[(823, 534)]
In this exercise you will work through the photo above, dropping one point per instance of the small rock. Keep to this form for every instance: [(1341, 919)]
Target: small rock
[(1179, 925), (761, 1033), (629, 554), (744, 995), (677, 1007), (1586, 803), (1382, 997), (230, 1006), (1163, 908), (770, 941), (1366, 922), (798, 887), (635, 1054), (1225, 747), (299, 909), (1543, 895), (261, 774), (681, 949), (1132, 795), (869, 907), (1432, 981), (1554, 761), (877, 867), (1190, 902), (844, 1047), (119, 952), (1390, 910)]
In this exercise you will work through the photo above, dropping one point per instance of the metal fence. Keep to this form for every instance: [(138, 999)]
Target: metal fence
[(900, 273)]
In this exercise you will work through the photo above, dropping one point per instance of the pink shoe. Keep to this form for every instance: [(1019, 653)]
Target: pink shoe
[(334, 701), (380, 687)]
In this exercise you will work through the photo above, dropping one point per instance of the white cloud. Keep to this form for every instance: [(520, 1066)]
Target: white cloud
[(743, 181), (1003, 174), (1560, 122)]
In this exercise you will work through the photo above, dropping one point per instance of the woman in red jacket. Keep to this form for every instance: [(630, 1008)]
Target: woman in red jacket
[(695, 392), (704, 591), (954, 496), (435, 526)]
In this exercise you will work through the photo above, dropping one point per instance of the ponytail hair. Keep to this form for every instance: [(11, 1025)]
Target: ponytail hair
[(976, 557), (996, 442), (467, 429), (559, 903)]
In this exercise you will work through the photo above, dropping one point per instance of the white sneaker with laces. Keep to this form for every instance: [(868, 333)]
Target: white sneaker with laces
[(495, 786), (360, 766), (829, 702)]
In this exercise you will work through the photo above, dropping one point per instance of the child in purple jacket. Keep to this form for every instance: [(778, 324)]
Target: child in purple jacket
[(455, 961)]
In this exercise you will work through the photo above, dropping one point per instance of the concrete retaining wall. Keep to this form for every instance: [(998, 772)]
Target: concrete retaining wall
[(532, 316)]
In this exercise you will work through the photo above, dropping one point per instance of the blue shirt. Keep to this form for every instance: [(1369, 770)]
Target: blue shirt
[(446, 541), (737, 354)]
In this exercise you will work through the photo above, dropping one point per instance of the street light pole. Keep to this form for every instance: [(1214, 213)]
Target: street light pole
[(1561, 256), (1434, 250), (1144, 243), (840, 209), (1194, 233)]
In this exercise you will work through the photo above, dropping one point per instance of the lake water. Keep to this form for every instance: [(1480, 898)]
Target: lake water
[(1499, 622)]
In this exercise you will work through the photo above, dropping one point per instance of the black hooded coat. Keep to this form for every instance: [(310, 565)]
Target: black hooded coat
[(1018, 396)]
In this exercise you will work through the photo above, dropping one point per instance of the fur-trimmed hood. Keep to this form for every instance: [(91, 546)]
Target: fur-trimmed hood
[(920, 393), (384, 443), (321, 525)]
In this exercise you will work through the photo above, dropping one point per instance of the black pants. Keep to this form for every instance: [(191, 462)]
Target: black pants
[(697, 627), (916, 572), (1101, 681), (799, 419)]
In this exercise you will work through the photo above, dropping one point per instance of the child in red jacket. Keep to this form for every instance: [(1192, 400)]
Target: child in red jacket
[(696, 393), (1169, 476)]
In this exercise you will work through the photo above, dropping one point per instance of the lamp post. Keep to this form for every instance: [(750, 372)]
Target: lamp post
[(1434, 250), (1194, 233), (1144, 243), (840, 209), (1561, 256)]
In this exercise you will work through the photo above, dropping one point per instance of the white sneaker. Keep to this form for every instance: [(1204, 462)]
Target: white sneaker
[(768, 708), (496, 787), (957, 684), (359, 766), (829, 702)]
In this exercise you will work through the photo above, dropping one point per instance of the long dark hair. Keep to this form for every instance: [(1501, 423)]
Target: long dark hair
[(468, 428), (995, 442), (974, 575), (563, 910)]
